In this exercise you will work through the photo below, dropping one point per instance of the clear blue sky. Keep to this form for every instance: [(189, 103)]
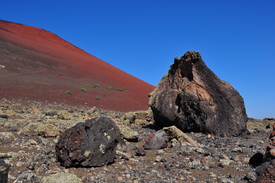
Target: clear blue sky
[(236, 38)]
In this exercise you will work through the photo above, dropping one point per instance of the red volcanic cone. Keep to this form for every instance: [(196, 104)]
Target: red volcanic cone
[(36, 64)]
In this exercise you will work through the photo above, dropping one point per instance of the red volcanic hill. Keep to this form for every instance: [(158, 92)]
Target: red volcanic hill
[(37, 65)]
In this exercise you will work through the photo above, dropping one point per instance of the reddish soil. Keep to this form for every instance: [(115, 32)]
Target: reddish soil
[(37, 65)]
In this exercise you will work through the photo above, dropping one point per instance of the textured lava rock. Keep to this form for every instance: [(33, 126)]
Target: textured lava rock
[(191, 97), (267, 175), (270, 149), (92, 143), (4, 170)]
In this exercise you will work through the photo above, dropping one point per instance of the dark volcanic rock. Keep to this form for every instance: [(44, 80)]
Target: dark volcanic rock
[(92, 143), (4, 170), (256, 159), (191, 97)]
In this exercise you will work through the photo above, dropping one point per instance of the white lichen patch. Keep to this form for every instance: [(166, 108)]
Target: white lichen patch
[(87, 154), (102, 148), (108, 136)]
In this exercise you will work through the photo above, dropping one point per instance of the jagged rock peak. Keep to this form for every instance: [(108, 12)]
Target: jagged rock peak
[(191, 97)]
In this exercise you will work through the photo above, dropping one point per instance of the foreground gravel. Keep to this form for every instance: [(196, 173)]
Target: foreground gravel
[(29, 132)]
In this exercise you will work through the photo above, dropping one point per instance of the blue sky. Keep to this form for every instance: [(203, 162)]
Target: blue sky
[(236, 38)]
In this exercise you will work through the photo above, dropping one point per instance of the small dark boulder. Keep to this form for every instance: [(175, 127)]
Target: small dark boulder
[(256, 160), (4, 116), (191, 97), (89, 144), (4, 170)]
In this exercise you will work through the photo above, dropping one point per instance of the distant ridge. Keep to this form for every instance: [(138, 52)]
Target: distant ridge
[(38, 65)]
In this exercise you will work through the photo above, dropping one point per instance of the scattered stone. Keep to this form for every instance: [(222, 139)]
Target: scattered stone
[(251, 176), (186, 149), (93, 112), (237, 150), (270, 149), (160, 152), (82, 144), (49, 112), (158, 158), (174, 143), (137, 117), (269, 119), (128, 118), (266, 172), (40, 129), (4, 116), (157, 141), (64, 115), (5, 155), (6, 137), (30, 167), (61, 177), (260, 169), (191, 97), (140, 151), (4, 170), (176, 133), (27, 177), (226, 162), (195, 164), (123, 155), (31, 142), (128, 134), (36, 158)]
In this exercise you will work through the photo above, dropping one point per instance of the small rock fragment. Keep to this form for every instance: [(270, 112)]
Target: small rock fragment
[(4, 116), (61, 177), (157, 141), (182, 137), (40, 129), (64, 115), (140, 152), (128, 134), (6, 137)]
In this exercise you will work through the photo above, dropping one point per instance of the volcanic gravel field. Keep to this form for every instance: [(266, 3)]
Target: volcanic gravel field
[(31, 152)]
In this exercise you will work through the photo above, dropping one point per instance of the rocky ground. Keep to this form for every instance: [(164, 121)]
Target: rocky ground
[(29, 132)]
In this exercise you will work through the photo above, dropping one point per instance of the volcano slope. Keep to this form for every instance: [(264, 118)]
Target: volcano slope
[(38, 65)]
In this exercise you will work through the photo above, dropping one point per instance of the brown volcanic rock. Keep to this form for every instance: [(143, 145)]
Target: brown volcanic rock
[(270, 149), (266, 171), (88, 144), (267, 174), (36, 64), (191, 97)]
